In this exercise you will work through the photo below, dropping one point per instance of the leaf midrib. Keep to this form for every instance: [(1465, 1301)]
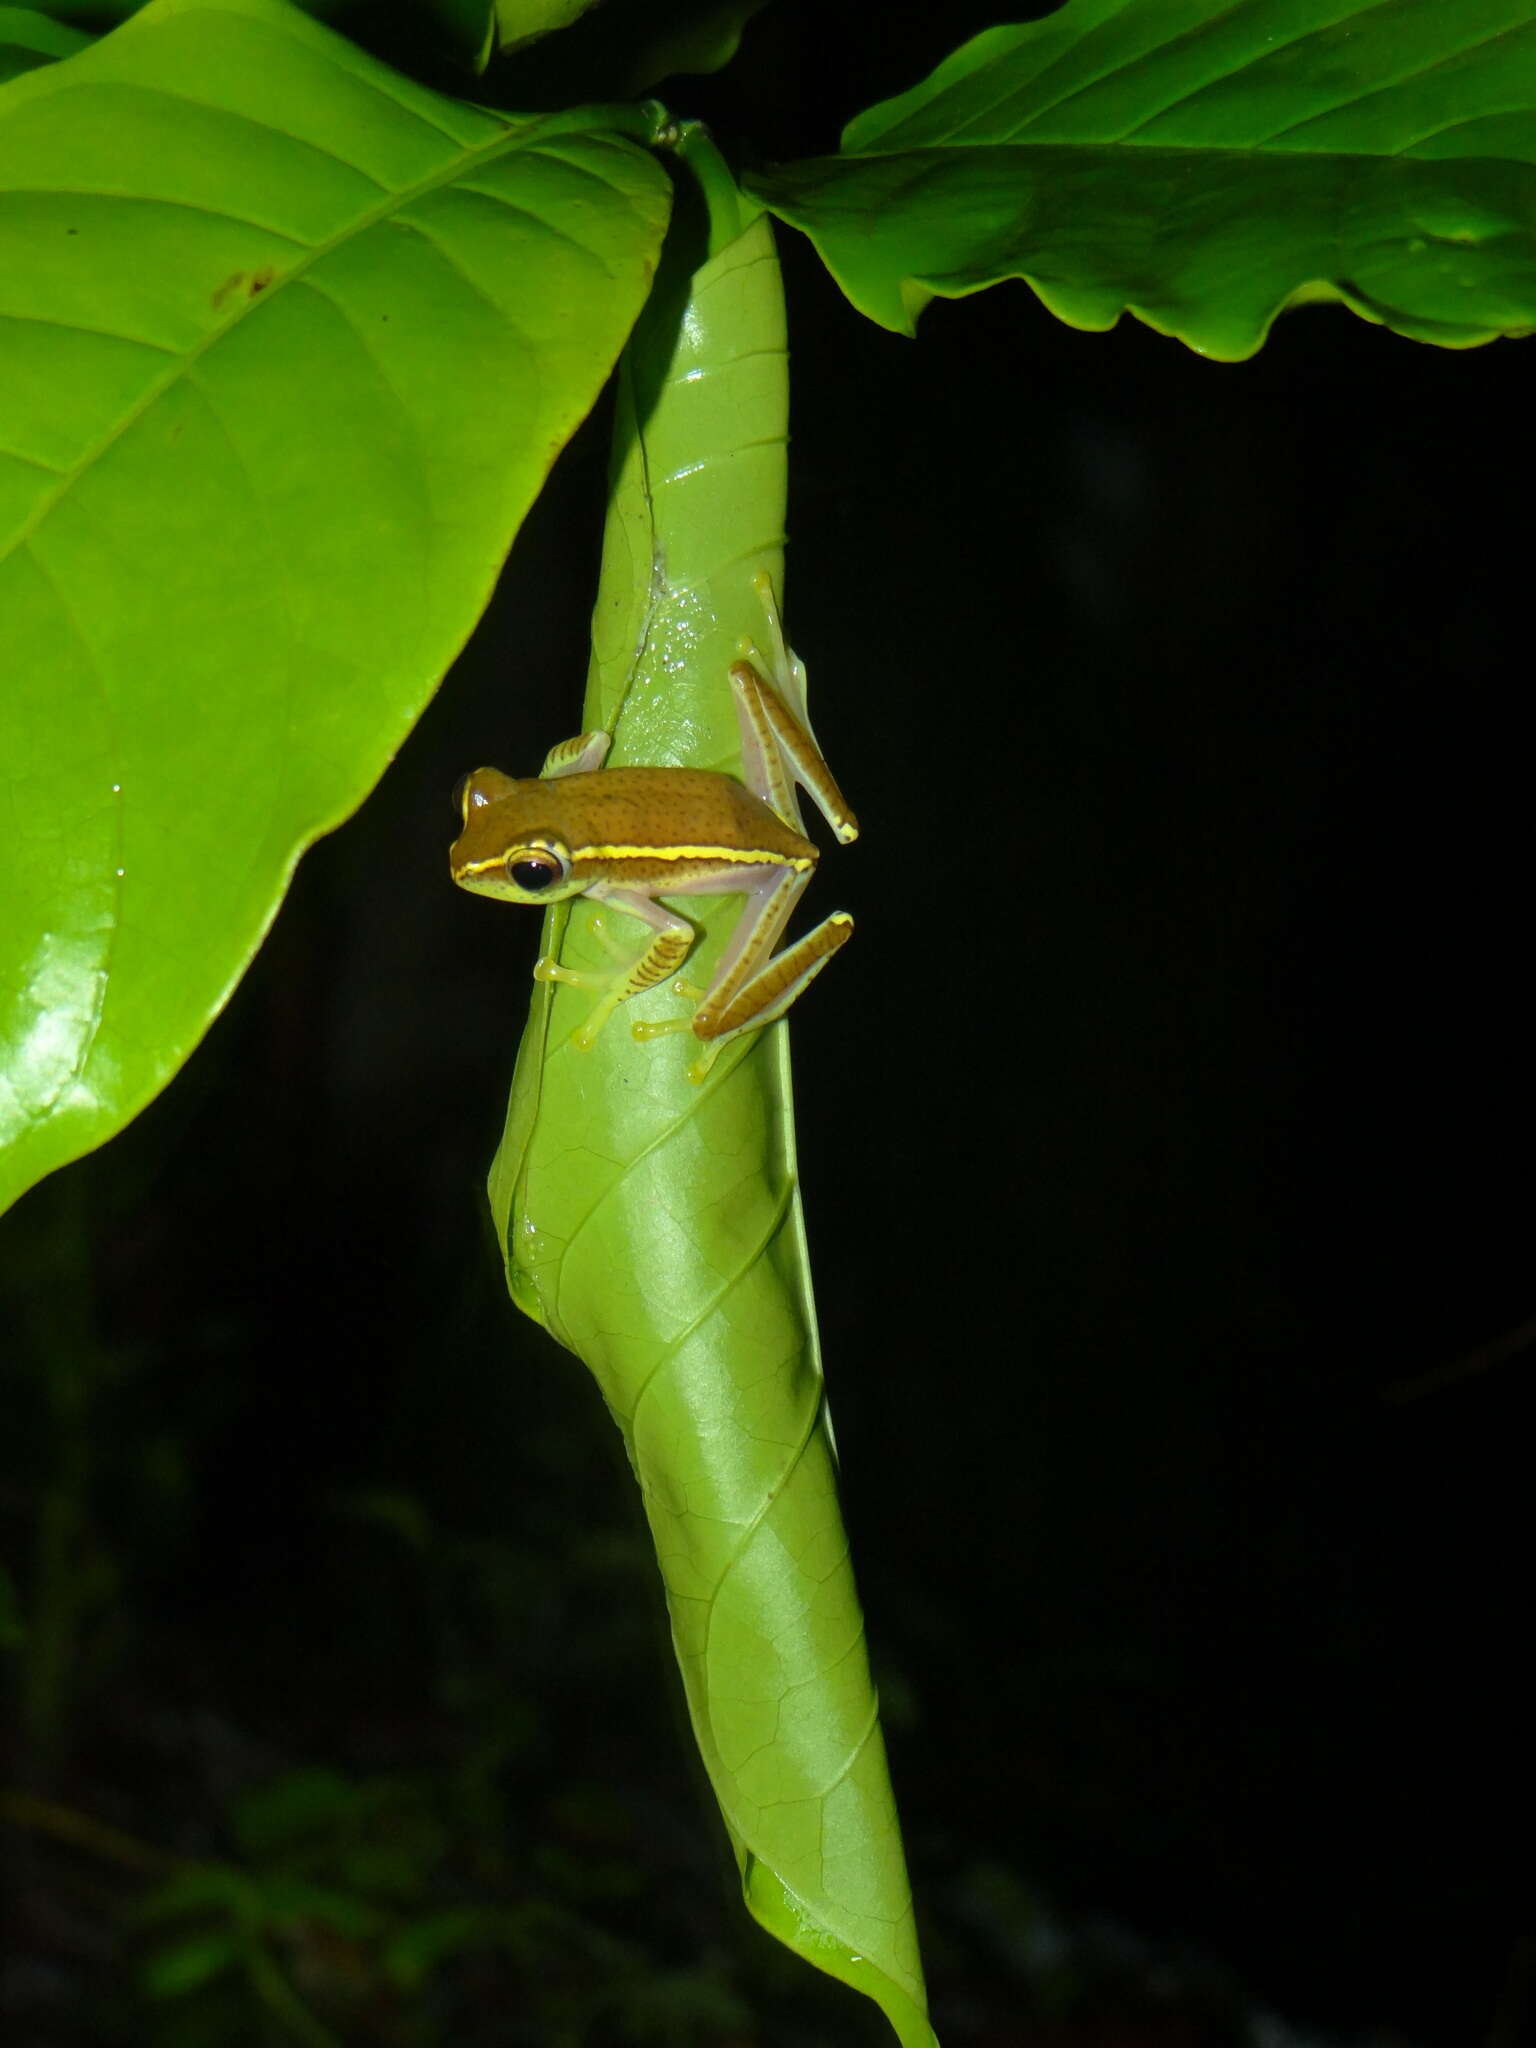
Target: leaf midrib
[(186, 361)]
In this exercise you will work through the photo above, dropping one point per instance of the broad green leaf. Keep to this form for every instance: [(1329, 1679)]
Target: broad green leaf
[(290, 344), (1202, 165), (654, 1226), (29, 39)]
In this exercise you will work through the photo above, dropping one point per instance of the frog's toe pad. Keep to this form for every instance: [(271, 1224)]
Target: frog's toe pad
[(550, 969), (659, 1027)]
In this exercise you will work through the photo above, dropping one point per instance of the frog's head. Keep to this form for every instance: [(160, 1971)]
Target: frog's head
[(508, 847)]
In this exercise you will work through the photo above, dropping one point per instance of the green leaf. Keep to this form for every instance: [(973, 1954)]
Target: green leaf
[(623, 47), (654, 1226), (175, 1971), (695, 39), (203, 1888), (293, 1808), (468, 27), (288, 1899), (411, 1955), (94, 16), (1202, 165), (290, 346), (403, 1514), (517, 22), (462, 29), (29, 39)]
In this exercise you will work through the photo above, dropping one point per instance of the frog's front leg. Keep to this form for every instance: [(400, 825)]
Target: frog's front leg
[(661, 956), (580, 756)]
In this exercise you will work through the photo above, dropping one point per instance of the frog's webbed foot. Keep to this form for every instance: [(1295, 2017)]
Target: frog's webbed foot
[(777, 745), (607, 987), (667, 1027), (786, 671), (611, 989)]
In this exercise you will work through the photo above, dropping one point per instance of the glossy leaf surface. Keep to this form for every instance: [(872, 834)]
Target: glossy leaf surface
[(654, 1226), (1201, 166), (290, 345)]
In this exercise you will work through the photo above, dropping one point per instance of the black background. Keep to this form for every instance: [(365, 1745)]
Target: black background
[(1168, 1122)]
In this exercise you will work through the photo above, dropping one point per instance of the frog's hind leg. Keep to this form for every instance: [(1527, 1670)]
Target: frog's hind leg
[(777, 744), (765, 997), (778, 751), (753, 986)]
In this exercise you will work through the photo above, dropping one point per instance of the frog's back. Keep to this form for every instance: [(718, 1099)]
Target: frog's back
[(674, 815)]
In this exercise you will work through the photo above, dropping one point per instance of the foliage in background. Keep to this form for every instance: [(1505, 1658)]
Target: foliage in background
[(1201, 169)]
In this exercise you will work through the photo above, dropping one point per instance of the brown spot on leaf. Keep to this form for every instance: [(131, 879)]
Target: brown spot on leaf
[(249, 282)]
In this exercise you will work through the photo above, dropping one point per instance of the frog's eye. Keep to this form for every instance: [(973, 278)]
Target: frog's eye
[(460, 792), (534, 869)]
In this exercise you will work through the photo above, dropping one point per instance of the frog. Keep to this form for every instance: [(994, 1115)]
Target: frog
[(627, 838)]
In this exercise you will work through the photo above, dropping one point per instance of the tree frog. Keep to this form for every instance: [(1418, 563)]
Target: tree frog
[(624, 837)]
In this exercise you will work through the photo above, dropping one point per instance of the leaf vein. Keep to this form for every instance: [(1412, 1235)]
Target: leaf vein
[(162, 348), (148, 199), (1112, 70), (1361, 99), (675, 1343), (1244, 62), (743, 1544), (389, 206), (132, 88), (543, 227)]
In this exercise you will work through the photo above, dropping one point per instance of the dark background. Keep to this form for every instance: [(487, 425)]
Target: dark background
[(1165, 1138)]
